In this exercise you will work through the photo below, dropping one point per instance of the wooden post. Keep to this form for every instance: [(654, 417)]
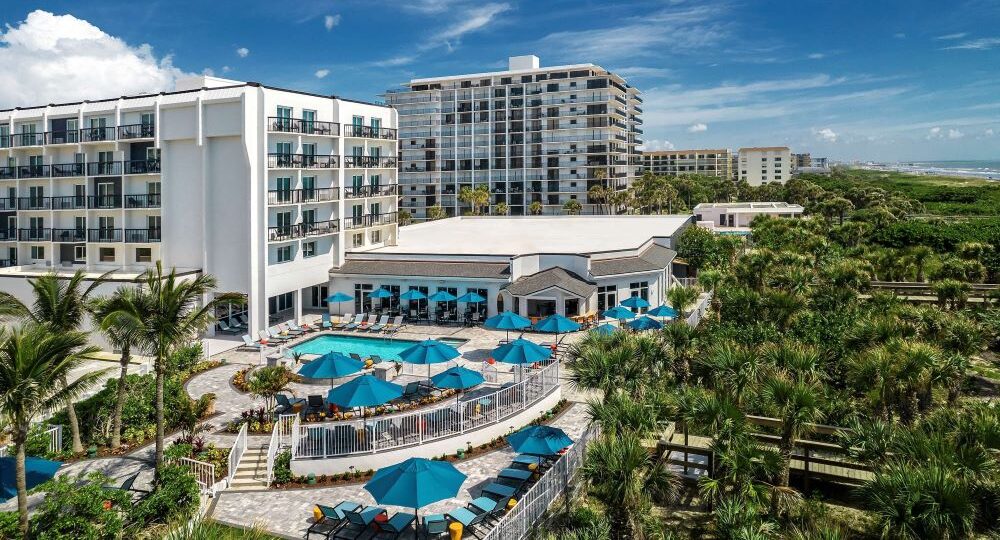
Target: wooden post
[(805, 468)]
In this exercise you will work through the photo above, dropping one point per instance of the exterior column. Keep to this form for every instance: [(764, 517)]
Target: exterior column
[(298, 305)]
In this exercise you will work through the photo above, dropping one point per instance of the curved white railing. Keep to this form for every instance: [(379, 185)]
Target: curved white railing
[(236, 452), (452, 417), (204, 474)]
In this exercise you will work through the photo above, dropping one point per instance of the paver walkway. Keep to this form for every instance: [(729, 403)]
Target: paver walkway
[(288, 513)]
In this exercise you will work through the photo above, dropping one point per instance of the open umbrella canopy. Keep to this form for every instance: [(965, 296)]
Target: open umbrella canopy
[(429, 351), (471, 298), (521, 351), (36, 471), (339, 297), (662, 311), (458, 377), (605, 329), (331, 365), (557, 324), (412, 294), (364, 391), (635, 302), (645, 323), (442, 296), (539, 440), (618, 312), (415, 483), (380, 293), (507, 321)]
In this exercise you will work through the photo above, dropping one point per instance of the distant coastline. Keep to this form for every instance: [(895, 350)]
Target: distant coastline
[(985, 169)]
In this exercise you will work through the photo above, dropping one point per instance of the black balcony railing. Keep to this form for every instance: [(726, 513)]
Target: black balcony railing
[(300, 230), (32, 171), (142, 200), (69, 235), (302, 161), (27, 139), (142, 236), (369, 220), (8, 173), (69, 202), (298, 125), (368, 132), (381, 190), (98, 134), (5, 263), (136, 131), (383, 162), (33, 203), (104, 201), (69, 136), (104, 168), (34, 235), (8, 203), (295, 196), (104, 234), (142, 166), (8, 235), (61, 170)]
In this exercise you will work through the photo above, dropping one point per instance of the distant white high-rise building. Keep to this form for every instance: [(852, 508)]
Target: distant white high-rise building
[(761, 165)]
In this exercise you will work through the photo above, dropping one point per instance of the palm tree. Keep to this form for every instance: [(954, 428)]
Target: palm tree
[(681, 298), (404, 217), (35, 362), (797, 405), (920, 501), (61, 305), (597, 195), (167, 311), (124, 336), (572, 207), (681, 339), (535, 208), (436, 212), (919, 255), (502, 209)]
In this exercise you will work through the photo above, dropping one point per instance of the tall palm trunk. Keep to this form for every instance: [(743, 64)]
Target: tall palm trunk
[(158, 459), (785, 453), (22, 483), (116, 420), (74, 424)]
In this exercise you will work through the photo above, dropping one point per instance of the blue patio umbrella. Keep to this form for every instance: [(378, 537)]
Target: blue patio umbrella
[(429, 351), (458, 378), (471, 298), (662, 311), (415, 483), (507, 321), (331, 365), (605, 329), (36, 471), (618, 312), (380, 293), (364, 391), (521, 351), (339, 297), (539, 440), (442, 296), (645, 323), (412, 294), (556, 324), (635, 302)]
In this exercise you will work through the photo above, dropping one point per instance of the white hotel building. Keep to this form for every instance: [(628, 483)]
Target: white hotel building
[(264, 188), (529, 134), (761, 165)]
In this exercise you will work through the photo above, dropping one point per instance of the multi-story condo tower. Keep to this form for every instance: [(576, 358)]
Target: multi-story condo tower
[(709, 162), (262, 187), (802, 160), (765, 164), (528, 134)]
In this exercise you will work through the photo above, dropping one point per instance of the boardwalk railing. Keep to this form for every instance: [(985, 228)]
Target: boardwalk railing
[(323, 440), (699, 310), (236, 452), (204, 474), (527, 514), (54, 434), (281, 437)]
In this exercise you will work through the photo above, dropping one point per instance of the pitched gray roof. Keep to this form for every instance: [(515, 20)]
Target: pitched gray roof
[(424, 269), (552, 277), (654, 258)]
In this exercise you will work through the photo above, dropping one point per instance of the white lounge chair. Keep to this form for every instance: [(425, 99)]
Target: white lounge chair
[(395, 325), (369, 322), (358, 319), (380, 325), (326, 321), (294, 327), (341, 322), (267, 338), (249, 344), (276, 333), (290, 331)]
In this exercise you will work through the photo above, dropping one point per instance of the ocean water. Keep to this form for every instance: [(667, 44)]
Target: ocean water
[(988, 169)]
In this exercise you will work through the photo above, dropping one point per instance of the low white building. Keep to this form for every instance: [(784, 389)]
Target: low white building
[(739, 215), (534, 266)]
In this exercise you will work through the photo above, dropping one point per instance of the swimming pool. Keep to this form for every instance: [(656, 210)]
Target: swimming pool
[(387, 349)]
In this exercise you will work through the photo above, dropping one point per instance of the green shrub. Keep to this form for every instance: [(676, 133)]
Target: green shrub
[(174, 498), (283, 467), (8, 526), (186, 357), (37, 444), (74, 509)]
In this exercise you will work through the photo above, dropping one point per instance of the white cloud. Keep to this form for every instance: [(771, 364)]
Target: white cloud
[(208, 72), (825, 134), (394, 61), (899, 35), (51, 58), (981, 44), (988, 132), (697, 128), (955, 134), (330, 21), (226, 69), (958, 35), (320, 73), (472, 20), (243, 52), (934, 133), (817, 56), (657, 144)]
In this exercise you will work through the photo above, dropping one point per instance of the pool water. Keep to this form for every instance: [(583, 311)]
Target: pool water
[(387, 349)]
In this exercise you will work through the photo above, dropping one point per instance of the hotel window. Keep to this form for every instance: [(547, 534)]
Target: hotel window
[(607, 297), (362, 302), (359, 239), (640, 289), (308, 188), (357, 123), (284, 254), (143, 255), (283, 186), (376, 124), (79, 254), (106, 254), (281, 302), (308, 249), (376, 236), (37, 252), (308, 120)]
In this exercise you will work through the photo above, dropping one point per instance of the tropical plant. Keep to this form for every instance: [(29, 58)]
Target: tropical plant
[(477, 198), (404, 217), (572, 207), (682, 298), (81, 507), (797, 405), (267, 382), (501, 209), (436, 212)]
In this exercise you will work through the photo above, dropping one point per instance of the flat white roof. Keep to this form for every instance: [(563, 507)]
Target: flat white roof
[(504, 72), (750, 206), (523, 235)]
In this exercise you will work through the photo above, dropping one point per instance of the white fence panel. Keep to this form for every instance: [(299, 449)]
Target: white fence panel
[(236, 452), (204, 473)]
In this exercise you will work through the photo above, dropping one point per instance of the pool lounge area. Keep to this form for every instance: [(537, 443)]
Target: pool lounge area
[(385, 348)]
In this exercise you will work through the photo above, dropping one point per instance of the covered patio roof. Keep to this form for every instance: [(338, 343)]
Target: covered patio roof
[(555, 277)]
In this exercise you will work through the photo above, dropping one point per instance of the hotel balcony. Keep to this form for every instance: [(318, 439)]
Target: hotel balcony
[(142, 236), (369, 220), (143, 200), (34, 235), (98, 134), (371, 162), (305, 127), (69, 202), (296, 196), (94, 168), (302, 230), (302, 161), (382, 190), (367, 132), (33, 203), (104, 235), (69, 235), (84, 135)]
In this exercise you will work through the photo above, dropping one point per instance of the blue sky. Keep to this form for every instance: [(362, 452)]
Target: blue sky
[(886, 80)]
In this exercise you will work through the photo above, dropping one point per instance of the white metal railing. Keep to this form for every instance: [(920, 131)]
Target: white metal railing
[(272, 449), (699, 310), (323, 440), (55, 435), (204, 473), (527, 513), (236, 452)]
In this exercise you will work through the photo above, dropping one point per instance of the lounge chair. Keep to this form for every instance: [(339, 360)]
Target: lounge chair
[(362, 518), (356, 356), (235, 324), (358, 319), (294, 332), (414, 390), (377, 327), (276, 333), (376, 359), (285, 405), (500, 490), (333, 518), (520, 475), (467, 517), (249, 344), (224, 327), (526, 460), (397, 523), (326, 321), (488, 505), (395, 325), (341, 322), (314, 404), (303, 329), (367, 323), (435, 525), (266, 337)]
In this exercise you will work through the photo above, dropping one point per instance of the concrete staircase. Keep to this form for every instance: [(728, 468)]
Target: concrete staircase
[(251, 473)]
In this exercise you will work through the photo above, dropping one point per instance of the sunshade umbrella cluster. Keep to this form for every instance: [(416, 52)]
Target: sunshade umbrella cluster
[(364, 391), (539, 440), (415, 483), (619, 313), (331, 365), (645, 323), (507, 321), (429, 351), (339, 298), (521, 351), (663, 311), (635, 302)]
